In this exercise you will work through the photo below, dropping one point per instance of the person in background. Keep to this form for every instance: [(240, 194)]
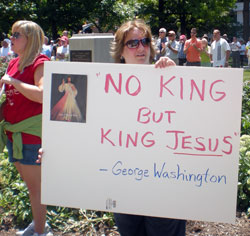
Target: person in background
[(133, 45), (181, 55), (22, 113), (235, 48), (62, 53), (192, 49), (242, 53), (65, 34), (206, 37), (248, 55), (248, 42), (220, 50), (160, 43), (224, 36), (172, 47), (5, 50), (205, 53), (46, 47)]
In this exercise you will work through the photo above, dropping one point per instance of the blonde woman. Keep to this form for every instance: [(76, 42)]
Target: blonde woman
[(22, 114), (205, 53)]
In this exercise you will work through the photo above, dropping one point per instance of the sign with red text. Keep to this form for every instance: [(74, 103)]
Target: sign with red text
[(142, 140)]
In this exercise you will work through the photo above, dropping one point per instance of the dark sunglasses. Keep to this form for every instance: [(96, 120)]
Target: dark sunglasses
[(16, 35), (134, 43)]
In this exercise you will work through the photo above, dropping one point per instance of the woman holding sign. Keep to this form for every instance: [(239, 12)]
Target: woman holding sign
[(133, 45), (22, 113)]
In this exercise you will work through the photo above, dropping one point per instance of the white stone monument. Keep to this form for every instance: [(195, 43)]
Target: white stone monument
[(93, 47)]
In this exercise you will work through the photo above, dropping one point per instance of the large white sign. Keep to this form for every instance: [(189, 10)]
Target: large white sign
[(141, 140)]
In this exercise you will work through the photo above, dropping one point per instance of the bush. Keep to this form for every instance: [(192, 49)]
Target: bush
[(3, 67), (243, 200), (14, 201), (245, 115)]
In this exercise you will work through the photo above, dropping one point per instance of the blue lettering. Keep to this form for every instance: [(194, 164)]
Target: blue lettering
[(182, 175), (156, 173), (137, 172)]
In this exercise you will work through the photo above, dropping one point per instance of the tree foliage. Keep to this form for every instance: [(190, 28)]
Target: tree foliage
[(180, 15)]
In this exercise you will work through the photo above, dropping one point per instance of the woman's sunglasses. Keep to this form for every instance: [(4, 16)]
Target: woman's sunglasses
[(134, 43), (16, 35)]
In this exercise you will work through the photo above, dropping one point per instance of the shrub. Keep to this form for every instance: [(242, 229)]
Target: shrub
[(14, 200), (244, 175), (3, 67), (245, 116)]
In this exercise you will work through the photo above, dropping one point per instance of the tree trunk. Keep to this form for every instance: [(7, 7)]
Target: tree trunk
[(161, 13), (246, 20)]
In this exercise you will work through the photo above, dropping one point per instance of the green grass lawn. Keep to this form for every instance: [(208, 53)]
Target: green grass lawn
[(246, 75)]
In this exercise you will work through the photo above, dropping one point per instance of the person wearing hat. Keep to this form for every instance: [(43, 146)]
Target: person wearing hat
[(65, 34), (181, 54), (5, 50), (62, 53)]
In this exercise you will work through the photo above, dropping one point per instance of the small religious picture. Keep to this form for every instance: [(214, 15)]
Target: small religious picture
[(68, 97)]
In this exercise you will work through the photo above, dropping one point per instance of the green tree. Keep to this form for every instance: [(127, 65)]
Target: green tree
[(14, 10), (182, 15)]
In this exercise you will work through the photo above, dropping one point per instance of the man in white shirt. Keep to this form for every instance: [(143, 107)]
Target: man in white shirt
[(220, 50)]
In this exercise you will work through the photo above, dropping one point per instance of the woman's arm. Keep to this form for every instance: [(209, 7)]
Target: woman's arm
[(32, 92)]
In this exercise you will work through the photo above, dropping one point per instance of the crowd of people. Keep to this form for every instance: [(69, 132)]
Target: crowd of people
[(56, 50), (22, 110), (203, 51), (196, 51)]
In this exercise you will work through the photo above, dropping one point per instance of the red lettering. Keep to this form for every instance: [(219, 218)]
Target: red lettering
[(130, 140), (147, 112), (176, 132), (230, 145), (120, 138), (223, 94), (163, 85), (136, 92), (201, 94), (184, 142), (160, 118), (202, 148), (133, 141), (169, 115), (150, 141), (104, 136), (109, 79), (181, 88), (210, 145)]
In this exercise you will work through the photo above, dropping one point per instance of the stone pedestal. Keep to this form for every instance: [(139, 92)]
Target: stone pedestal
[(91, 47)]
